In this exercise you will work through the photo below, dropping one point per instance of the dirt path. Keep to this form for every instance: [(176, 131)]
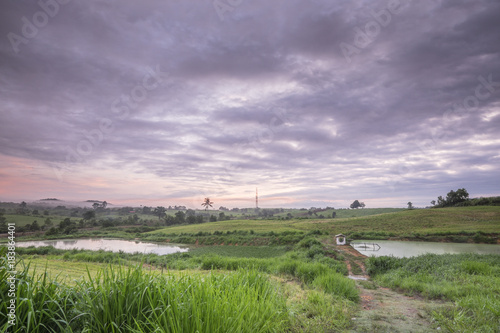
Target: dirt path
[(384, 310)]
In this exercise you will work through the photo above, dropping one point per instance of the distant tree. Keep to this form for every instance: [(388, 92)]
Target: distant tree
[(334, 214), (213, 218), (95, 205), (207, 203), (88, 215), (22, 208), (222, 216), (199, 218), (410, 205), (190, 212), (180, 217), (433, 202), (191, 219), (46, 212), (453, 198), (160, 212), (108, 223), (35, 212), (146, 210), (355, 204), (362, 205), (3, 225), (48, 222), (104, 204), (65, 223), (170, 220), (52, 231)]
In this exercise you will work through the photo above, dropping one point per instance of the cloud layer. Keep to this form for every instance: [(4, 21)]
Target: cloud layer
[(315, 102)]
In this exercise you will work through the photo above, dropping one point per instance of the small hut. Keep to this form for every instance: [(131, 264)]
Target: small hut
[(340, 239)]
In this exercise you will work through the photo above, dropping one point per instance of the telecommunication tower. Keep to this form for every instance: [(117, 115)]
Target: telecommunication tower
[(257, 198)]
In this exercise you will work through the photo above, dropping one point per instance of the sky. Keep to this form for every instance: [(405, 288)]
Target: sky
[(316, 103)]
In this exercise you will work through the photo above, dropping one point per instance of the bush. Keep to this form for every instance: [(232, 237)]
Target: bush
[(308, 242), (336, 284)]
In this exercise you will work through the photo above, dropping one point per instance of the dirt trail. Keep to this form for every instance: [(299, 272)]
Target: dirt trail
[(384, 310)]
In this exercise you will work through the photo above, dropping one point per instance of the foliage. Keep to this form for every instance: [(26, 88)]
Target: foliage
[(356, 204), (130, 300), (453, 198)]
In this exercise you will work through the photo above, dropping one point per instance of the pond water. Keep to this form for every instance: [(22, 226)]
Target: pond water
[(402, 249), (114, 245)]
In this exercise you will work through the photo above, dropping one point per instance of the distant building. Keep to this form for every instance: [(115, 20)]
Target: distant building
[(340, 239)]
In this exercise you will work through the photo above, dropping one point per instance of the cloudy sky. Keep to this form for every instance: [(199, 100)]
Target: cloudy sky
[(315, 102)]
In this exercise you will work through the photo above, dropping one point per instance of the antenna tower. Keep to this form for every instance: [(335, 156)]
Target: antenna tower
[(256, 198)]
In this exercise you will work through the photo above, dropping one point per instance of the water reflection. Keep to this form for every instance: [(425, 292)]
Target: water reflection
[(402, 249), (114, 245)]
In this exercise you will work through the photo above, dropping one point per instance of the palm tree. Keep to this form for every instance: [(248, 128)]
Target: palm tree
[(207, 203)]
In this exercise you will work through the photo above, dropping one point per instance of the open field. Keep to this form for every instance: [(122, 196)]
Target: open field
[(22, 220), (412, 224)]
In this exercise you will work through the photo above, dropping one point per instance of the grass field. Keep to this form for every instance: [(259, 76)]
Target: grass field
[(22, 220), (403, 224), (209, 289)]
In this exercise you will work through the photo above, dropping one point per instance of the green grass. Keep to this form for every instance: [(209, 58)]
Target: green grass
[(130, 300), (472, 281), (240, 251), (427, 221), (22, 220), (230, 225), (253, 292), (424, 224)]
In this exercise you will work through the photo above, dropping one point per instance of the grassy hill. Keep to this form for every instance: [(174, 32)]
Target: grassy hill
[(425, 224)]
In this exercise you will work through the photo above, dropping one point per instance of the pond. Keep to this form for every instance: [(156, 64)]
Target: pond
[(114, 245), (403, 249)]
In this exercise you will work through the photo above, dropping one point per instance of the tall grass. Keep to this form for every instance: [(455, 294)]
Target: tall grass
[(131, 300), (472, 281)]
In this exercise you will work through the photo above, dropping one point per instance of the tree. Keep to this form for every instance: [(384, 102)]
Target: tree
[(48, 222), (410, 205), (213, 218), (334, 214), (355, 204), (453, 198), (95, 205), (35, 226), (104, 204), (160, 212), (362, 205), (88, 215), (23, 208), (180, 217), (433, 202), (207, 203)]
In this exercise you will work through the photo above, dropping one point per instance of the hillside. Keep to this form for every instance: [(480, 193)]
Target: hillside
[(425, 224)]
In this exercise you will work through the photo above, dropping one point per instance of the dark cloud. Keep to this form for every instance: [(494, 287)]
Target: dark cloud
[(167, 92)]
